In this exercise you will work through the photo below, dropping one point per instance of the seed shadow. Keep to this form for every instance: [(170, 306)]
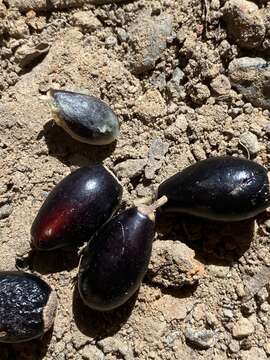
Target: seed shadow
[(69, 151), (179, 292), (214, 242), (34, 349), (99, 325), (48, 262)]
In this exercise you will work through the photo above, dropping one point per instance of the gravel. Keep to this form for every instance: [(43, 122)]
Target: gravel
[(250, 76), (245, 23), (203, 339)]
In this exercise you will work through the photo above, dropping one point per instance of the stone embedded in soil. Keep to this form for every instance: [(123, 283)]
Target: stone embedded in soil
[(203, 339), (5, 211), (157, 151), (221, 85), (44, 5), (250, 141), (130, 168), (150, 105), (199, 93), (175, 131), (251, 77), (242, 328), (255, 353), (86, 21), (26, 54), (113, 345), (148, 39), (91, 352), (257, 282), (173, 265), (244, 22)]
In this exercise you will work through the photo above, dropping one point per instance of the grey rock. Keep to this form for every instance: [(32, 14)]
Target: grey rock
[(173, 265), (26, 54), (245, 23), (130, 168), (122, 35), (203, 339), (257, 282), (173, 85), (251, 77), (234, 346), (177, 76), (250, 141), (148, 39), (157, 151), (158, 80), (110, 41), (5, 211)]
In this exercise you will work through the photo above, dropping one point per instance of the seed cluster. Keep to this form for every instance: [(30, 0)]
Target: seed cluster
[(81, 207)]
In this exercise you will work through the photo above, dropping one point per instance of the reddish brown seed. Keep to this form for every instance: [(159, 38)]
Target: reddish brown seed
[(76, 208)]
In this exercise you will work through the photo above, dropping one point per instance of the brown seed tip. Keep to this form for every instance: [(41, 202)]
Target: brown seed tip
[(150, 210), (50, 311)]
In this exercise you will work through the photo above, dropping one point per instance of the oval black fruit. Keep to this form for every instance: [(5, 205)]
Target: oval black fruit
[(86, 118), (76, 208), (222, 188), (116, 258), (27, 306)]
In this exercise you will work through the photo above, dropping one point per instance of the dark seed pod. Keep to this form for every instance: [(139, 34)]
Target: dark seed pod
[(27, 306), (76, 208), (86, 118), (116, 258), (222, 188)]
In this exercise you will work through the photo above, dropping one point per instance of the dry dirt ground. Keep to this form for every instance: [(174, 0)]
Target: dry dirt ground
[(189, 79)]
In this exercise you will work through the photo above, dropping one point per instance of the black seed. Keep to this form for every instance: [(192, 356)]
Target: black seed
[(27, 306), (222, 188), (116, 259)]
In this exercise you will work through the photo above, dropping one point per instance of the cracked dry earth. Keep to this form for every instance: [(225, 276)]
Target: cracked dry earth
[(189, 80)]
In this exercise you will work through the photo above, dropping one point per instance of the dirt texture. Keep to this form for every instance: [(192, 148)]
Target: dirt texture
[(189, 80)]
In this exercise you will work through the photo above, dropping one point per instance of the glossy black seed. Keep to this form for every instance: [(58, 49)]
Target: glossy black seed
[(116, 259), (86, 118), (76, 208), (27, 306), (221, 188)]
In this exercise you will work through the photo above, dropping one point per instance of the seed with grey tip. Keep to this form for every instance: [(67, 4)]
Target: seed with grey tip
[(86, 118)]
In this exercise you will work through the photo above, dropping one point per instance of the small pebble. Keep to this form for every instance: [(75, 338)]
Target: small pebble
[(203, 339), (221, 85), (250, 141), (110, 41), (5, 211), (242, 328)]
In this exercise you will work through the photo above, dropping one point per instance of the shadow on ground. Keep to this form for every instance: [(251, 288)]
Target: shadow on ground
[(71, 152), (99, 325), (31, 350), (49, 262), (214, 242)]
